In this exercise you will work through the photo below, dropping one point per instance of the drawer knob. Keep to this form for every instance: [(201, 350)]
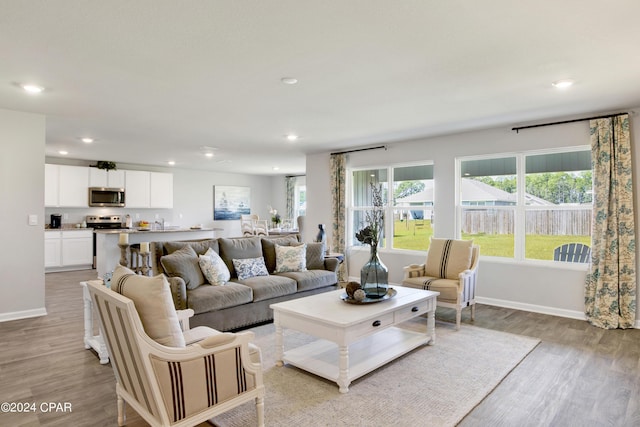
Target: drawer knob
[(376, 323), (414, 309)]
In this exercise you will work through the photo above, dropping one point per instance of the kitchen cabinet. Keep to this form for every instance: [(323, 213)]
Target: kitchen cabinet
[(137, 189), (106, 179), (51, 184), (52, 249), (161, 190), (66, 186), (148, 189), (68, 249)]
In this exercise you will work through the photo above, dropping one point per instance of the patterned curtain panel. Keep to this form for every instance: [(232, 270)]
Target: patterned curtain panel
[(290, 183), (610, 292), (338, 175)]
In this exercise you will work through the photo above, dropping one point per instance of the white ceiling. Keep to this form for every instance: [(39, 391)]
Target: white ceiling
[(156, 80)]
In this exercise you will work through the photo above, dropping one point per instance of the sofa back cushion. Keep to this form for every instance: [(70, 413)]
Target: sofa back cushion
[(184, 263), (269, 249), (447, 258), (154, 304), (243, 247), (200, 247)]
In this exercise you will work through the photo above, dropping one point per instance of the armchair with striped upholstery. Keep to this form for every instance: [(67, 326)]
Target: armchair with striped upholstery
[(176, 386), (451, 268)]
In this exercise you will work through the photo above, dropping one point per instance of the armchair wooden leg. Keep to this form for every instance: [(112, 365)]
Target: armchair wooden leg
[(122, 415), (260, 410)]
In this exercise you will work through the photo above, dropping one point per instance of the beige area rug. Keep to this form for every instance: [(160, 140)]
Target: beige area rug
[(431, 386)]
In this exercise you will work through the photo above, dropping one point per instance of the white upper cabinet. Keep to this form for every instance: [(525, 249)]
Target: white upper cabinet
[(74, 184), (161, 190), (66, 186), (107, 179), (51, 185), (137, 189)]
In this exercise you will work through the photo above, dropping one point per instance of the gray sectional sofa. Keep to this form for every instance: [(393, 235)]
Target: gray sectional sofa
[(239, 303)]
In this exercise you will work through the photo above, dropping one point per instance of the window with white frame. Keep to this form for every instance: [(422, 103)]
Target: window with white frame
[(525, 205), (409, 204)]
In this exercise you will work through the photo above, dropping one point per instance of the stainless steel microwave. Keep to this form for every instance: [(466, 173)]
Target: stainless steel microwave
[(106, 197)]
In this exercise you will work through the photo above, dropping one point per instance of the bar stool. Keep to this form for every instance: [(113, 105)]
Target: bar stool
[(139, 261)]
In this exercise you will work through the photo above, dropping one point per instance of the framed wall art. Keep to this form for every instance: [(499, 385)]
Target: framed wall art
[(230, 202)]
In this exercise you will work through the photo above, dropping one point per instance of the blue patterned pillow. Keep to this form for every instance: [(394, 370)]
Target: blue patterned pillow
[(214, 268), (291, 258), (250, 267)]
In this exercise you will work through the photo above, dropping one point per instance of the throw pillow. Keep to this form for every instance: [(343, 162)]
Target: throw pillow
[(250, 267), (315, 256), (184, 263), (154, 304), (214, 268), (447, 258), (291, 258)]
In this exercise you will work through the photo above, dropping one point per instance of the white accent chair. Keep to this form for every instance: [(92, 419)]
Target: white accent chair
[(451, 268), (176, 386)]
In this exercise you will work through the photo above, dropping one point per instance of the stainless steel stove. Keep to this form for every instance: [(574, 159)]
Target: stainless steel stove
[(103, 222)]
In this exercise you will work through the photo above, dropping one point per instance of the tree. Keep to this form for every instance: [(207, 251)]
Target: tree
[(407, 188)]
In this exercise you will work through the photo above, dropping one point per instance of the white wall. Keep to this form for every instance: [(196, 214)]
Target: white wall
[(22, 292), (530, 286)]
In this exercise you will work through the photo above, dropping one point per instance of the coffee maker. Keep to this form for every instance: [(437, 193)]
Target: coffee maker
[(56, 220)]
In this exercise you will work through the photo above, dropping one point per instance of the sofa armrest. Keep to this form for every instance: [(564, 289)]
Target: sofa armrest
[(413, 270), (178, 292), (331, 264)]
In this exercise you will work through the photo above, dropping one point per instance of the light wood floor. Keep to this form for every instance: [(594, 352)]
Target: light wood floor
[(578, 376)]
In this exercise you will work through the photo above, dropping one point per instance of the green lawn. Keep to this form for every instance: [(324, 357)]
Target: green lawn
[(409, 236)]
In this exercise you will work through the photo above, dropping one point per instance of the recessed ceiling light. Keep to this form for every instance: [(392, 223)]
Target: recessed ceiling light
[(171, 163), (64, 153), (29, 88), (563, 84), (87, 140), (276, 168), (289, 80), (208, 154), (292, 137)]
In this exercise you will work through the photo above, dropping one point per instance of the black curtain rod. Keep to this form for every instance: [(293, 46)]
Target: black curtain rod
[(293, 176), (359, 149), (607, 116)]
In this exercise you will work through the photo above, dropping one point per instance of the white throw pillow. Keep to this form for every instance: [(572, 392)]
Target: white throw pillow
[(214, 268), (291, 258), (154, 304), (250, 267)]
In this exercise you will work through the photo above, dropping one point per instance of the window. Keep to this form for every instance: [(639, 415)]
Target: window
[(300, 205), (409, 204), (525, 205)]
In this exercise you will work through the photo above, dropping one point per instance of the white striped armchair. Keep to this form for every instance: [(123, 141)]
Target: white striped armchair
[(176, 386), (451, 268)]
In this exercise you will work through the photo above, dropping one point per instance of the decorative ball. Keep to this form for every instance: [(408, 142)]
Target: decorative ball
[(359, 295), (351, 288)]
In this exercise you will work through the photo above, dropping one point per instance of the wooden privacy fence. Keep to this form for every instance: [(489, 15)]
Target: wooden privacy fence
[(546, 222)]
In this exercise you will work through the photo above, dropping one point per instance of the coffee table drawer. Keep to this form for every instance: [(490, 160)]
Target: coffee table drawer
[(371, 326), (413, 310)]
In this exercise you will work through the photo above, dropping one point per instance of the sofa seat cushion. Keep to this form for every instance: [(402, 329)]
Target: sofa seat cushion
[(312, 279), (448, 288), (209, 298), (272, 286)]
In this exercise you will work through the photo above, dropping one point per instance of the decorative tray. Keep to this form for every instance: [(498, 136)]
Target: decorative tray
[(390, 294)]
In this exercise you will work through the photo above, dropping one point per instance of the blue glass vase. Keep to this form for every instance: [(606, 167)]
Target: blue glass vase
[(374, 276)]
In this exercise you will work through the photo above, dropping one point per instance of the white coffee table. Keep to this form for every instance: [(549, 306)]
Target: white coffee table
[(353, 340)]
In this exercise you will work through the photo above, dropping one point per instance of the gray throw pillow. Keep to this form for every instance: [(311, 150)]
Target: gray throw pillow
[(184, 263), (315, 256)]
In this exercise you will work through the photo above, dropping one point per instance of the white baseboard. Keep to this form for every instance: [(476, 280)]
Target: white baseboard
[(571, 314), (17, 315)]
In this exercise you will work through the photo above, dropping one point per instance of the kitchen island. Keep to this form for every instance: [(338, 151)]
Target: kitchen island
[(108, 251)]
